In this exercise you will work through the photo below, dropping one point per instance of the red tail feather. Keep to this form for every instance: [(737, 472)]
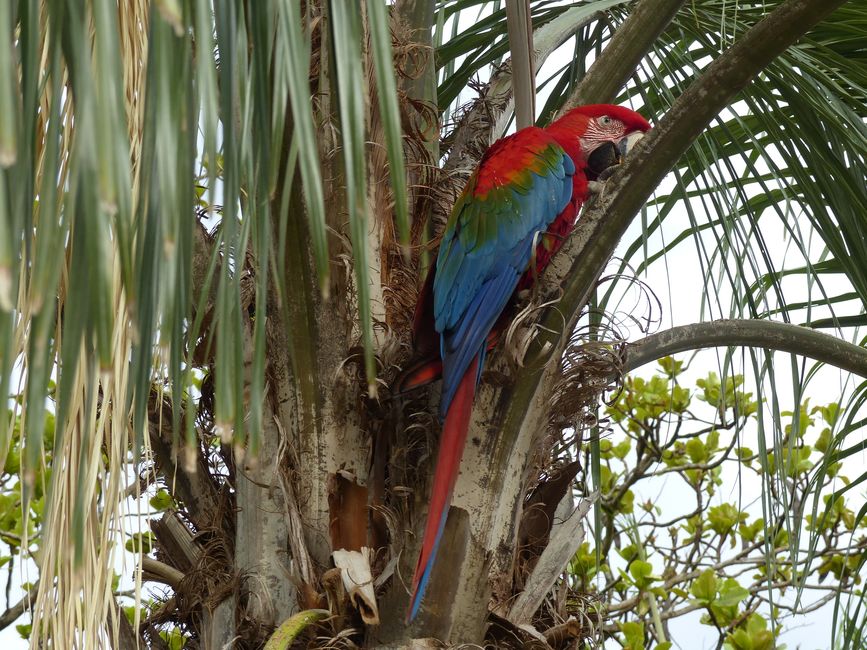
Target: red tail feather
[(451, 448)]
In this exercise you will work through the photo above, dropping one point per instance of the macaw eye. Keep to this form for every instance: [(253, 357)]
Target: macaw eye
[(605, 120)]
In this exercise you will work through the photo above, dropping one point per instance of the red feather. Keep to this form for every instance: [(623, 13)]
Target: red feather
[(448, 462)]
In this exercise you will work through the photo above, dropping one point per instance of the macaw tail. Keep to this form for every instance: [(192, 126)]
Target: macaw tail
[(454, 436)]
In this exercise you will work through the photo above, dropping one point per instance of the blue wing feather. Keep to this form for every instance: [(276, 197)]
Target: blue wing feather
[(487, 246), (469, 338)]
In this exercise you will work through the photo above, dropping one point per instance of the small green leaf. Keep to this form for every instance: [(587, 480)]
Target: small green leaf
[(161, 500), (711, 388), (140, 543), (129, 611), (705, 586), (634, 633), (174, 638), (293, 626), (731, 593), (829, 412), (642, 573), (748, 532), (754, 635), (621, 449), (628, 552), (724, 518), (696, 450), (627, 503), (671, 367), (712, 442), (824, 440)]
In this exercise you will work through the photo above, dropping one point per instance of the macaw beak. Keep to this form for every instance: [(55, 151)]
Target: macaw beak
[(623, 148), (603, 157), (610, 154), (628, 143)]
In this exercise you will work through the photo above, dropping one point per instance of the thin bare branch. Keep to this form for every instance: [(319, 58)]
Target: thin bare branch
[(12, 614)]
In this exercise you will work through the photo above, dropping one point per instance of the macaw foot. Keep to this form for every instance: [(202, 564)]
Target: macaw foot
[(547, 293), (598, 186), (595, 187), (538, 294), (605, 174)]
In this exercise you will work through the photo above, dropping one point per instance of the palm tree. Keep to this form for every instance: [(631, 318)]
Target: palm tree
[(246, 195)]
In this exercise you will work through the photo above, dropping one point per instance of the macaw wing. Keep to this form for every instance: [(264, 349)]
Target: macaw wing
[(521, 185)]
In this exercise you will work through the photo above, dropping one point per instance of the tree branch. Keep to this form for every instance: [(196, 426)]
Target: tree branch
[(629, 44), (176, 541), (12, 614), (765, 334), (157, 571), (566, 538)]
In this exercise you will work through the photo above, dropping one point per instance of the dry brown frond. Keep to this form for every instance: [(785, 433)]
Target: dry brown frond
[(132, 17), (73, 611), (592, 363), (538, 517)]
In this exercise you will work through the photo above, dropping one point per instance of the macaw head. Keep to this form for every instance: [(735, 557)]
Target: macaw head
[(604, 133)]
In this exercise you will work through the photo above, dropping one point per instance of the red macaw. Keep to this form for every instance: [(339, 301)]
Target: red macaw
[(527, 189)]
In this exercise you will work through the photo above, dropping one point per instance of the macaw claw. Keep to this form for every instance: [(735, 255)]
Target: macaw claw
[(595, 187)]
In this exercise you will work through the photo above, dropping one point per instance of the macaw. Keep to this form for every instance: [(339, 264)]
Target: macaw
[(513, 215)]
